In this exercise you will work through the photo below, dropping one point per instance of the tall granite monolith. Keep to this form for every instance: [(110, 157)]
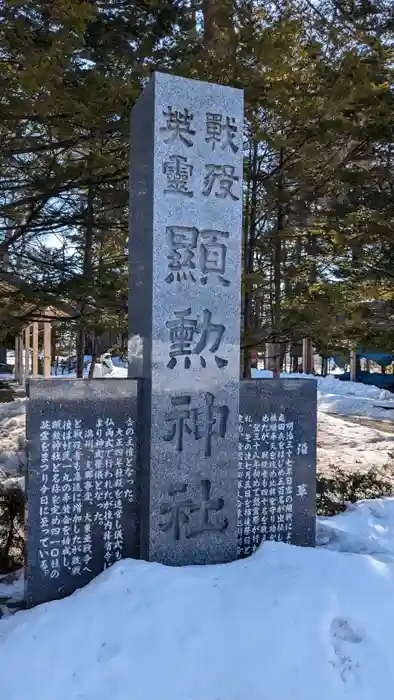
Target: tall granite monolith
[(184, 314)]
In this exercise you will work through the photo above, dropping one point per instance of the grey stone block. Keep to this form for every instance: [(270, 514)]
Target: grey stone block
[(81, 482), (184, 314), (277, 462)]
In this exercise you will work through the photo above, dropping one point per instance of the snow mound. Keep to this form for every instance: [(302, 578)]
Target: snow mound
[(12, 437), (286, 623), (330, 384), (366, 527), (352, 398), (345, 398)]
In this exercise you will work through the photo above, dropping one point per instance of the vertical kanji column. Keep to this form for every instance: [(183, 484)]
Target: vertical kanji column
[(184, 314)]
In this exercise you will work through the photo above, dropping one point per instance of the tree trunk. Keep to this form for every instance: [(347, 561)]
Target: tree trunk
[(307, 356), (94, 357), (219, 32), (353, 366), (87, 275), (277, 255), (272, 358), (80, 343), (10, 537), (249, 237), (324, 365)]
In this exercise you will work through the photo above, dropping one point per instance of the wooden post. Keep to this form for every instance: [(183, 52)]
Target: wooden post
[(353, 366), (20, 358), (17, 369), (47, 350), (26, 365), (35, 349)]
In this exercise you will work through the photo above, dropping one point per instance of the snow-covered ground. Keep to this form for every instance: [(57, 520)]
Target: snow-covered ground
[(286, 624), (12, 437), (11, 589)]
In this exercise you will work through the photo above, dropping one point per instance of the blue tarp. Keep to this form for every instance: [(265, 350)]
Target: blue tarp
[(381, 358), (382, 381)]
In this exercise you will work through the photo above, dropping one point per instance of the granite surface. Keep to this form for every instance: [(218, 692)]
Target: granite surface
[(184, 313), (277, 462), (82, 482)]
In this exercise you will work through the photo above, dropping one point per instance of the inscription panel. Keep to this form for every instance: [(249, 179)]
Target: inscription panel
[(277, 463), (81, 482)]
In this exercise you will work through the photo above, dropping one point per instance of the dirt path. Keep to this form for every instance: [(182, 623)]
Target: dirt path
[(380, 425)]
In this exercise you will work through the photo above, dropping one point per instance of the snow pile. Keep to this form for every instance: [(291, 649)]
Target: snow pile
[(286, 623), (366, 527), (331, 384), (11, 589), (12, 437), (345, 398)]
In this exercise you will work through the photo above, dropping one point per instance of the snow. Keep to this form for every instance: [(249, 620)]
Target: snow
[(12, 437), (354, 399), (366, 527), (345, 398), (111, 368), (11, 588), (286, 623)]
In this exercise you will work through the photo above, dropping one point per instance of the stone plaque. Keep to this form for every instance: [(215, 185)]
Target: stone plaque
[(81, 482), (184, 314), (277, 463)]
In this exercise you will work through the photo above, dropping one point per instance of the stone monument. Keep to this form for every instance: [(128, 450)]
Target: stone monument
[(81, 482), (184, 314), (181, 463)]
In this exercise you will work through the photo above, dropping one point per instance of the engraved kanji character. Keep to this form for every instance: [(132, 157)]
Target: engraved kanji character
[(178, 171), (182, 242), (180, 512), (221, 132), (206, 431), (302, 448), (202, 423), (302, 490), (182, 331), (182, 334), (224, 176), (204, 508), (178, 417), (177, 511), (178, 126), (207, 329), (213, 255)]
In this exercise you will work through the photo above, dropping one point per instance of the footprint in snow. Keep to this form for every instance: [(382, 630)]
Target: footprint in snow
[(344, 633)]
